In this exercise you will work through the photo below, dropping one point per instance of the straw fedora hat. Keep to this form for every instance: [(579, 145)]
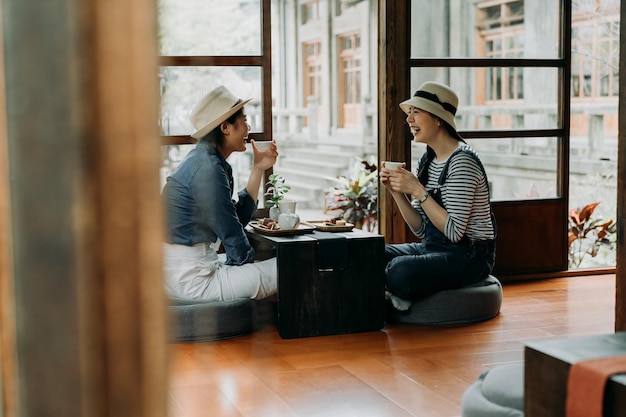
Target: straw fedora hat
[(214, 108), (435, 98)]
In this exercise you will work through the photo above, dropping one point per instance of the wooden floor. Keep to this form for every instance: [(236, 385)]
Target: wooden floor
[(402, 370)]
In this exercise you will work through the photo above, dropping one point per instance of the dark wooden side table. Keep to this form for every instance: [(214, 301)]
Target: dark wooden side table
[(328, 283), (547, 364)]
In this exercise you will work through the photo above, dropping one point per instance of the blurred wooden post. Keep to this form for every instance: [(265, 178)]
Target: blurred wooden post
[(83, 310), (393, 87)]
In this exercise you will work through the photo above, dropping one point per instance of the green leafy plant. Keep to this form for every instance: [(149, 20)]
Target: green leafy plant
[(276, 190), (356, 194), (587, 235)]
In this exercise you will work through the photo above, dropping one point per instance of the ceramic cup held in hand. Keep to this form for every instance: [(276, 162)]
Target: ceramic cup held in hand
[(263, 145), (392, 165), (288, 221)]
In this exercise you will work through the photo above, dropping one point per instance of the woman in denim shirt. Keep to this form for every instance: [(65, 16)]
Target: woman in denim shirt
[(202, 215)]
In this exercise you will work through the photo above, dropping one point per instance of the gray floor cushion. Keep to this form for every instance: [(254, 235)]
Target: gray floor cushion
[(498, 392), (476, 302), (198, 321)]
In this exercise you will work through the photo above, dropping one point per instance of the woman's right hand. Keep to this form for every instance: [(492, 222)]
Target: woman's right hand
[(385, 174), (264, 159)]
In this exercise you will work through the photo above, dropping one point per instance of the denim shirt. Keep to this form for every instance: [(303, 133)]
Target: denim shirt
[(200, 208)]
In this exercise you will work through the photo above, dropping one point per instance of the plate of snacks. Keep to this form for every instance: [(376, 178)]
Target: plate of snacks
[(331, 225), (269, 226)]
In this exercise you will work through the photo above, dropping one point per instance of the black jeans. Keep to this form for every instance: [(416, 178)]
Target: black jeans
[(436, 264)]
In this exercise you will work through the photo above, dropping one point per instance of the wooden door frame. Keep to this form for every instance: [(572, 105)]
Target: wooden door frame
[(620, 276), (394, 75)]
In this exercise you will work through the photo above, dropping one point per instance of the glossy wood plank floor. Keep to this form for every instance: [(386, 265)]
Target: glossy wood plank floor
[(402, 370)]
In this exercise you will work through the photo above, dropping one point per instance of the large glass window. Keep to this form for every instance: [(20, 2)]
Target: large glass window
[(209, 27), (204, 44), (183, 86), (593, 149), (595, 50), (518, 167), (350, 81), (521, 102), (493, 28)]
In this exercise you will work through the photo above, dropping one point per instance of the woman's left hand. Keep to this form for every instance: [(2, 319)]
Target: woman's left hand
[(264, 159)]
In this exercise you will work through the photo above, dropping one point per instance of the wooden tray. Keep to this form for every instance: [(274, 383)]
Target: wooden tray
[(324, 226), (302, 228)]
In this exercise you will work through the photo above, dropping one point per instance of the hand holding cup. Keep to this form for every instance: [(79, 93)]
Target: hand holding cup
[(388, 169), (263, 145), (393, 166), (264, 153)]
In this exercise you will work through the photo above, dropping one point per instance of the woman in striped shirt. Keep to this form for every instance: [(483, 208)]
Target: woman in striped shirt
[(446, 205)]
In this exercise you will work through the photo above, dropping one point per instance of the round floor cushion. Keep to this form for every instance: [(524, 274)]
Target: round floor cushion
[(498, 392), (476, 302), (198, 320)]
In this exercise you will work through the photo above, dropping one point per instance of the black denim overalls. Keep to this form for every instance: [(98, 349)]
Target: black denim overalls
[(436, 263)]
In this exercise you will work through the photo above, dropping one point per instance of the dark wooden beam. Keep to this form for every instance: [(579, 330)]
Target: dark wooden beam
[(620, 276), (393, 87)]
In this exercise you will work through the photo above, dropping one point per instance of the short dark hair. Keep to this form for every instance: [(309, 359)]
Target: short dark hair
[(215, 136)]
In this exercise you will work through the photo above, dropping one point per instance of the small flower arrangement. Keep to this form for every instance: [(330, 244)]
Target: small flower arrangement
[(588, 235), (356, 195), (276, 190)]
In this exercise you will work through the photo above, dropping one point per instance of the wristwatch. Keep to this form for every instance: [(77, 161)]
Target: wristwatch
[(423, 198)]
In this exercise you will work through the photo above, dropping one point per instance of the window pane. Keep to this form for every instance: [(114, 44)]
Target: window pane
[(518, 168), (499, 98), (183, 87), (199, 27), (494, 29)]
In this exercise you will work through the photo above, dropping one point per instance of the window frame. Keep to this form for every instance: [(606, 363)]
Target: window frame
[(264, 61), (527, 229)]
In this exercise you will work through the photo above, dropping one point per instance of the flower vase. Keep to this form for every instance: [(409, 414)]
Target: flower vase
[(274, 213)]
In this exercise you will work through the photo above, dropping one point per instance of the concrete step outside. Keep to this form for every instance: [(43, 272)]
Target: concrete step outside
[(300, 177)]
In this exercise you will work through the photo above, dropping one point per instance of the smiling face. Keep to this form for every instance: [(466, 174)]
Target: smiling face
[(235, 134), (424, 126)]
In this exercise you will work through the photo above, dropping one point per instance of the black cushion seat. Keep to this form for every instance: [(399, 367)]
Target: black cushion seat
[(476, 302), (199, 320)]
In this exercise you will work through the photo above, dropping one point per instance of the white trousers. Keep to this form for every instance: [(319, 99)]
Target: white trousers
[(199, 272)]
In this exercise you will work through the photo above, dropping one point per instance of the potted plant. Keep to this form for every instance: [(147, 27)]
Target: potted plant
[(587, 235), (356, 195), (275, 192)]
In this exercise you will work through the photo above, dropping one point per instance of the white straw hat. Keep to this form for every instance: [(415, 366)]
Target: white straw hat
[(214, 108), (435, 98)]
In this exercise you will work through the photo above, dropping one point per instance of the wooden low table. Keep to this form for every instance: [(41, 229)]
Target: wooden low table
[(547, 365), (328, 283)]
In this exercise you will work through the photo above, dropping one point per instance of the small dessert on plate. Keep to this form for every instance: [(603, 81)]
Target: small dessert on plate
[(335, 221), (268, 223)]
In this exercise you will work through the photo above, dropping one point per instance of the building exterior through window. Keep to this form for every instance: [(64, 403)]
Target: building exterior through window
[(324, 86)]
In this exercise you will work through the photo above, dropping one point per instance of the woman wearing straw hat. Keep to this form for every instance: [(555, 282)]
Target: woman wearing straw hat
[(202, 215), (446, 204)]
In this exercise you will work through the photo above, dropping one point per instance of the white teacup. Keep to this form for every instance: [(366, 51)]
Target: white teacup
[(288, 221), (392, 165), (287, 206), (262, 145)]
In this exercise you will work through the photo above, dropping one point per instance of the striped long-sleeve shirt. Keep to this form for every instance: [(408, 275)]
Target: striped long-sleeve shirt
[(465, 196)]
